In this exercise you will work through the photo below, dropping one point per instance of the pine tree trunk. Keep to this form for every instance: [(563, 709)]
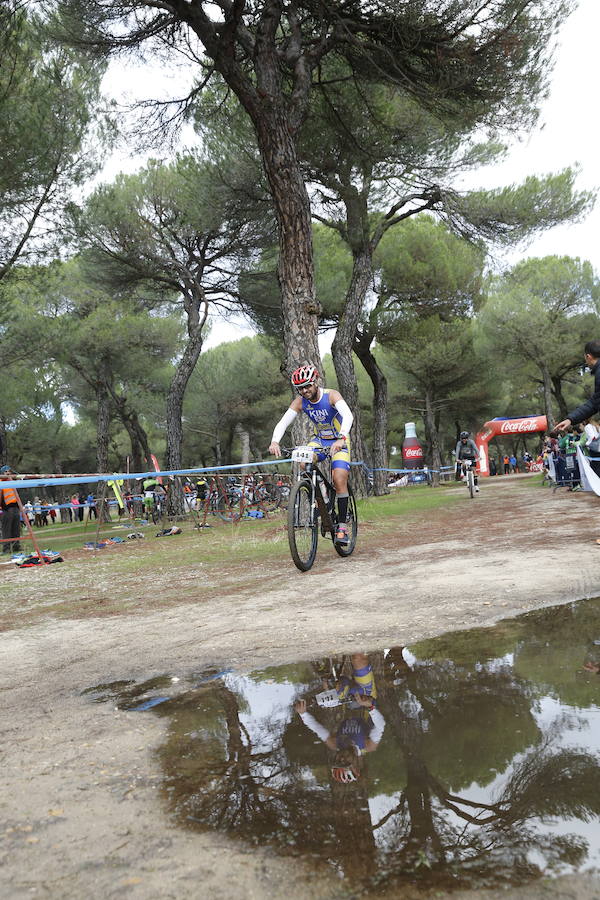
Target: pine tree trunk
[(341, 351), (3, 443), (175, 396), (244, 443), (362, 348), (135, 430), (277, 115), (137, 464), (563, 409), (295, 269), (296, 278), (432, 437), (547, 387), (102, 427), (102, 438)]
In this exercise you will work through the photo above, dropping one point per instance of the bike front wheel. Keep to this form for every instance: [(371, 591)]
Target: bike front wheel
[(471, 483), (352, 523), (302, 525)]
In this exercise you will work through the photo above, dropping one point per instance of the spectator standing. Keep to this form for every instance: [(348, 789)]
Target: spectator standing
[(90, 503), (568, 448), (493, 469), (506, 464), (513, 464), (37, 512), (75, 507), (11, 516)]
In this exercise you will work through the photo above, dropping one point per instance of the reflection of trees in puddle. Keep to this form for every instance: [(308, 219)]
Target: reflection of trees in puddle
[(462, 788)]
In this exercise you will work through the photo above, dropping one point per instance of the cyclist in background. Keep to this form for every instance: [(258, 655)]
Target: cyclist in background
[(150, 489), (331, 420), (466, 448)]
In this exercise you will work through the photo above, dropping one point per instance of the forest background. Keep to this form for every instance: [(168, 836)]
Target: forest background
[(323, 192)]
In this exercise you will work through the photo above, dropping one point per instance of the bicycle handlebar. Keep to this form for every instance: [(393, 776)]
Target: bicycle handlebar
[(319, 449)]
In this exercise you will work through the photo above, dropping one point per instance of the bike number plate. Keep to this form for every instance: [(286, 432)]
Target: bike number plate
[(303, 454), (328, 699)]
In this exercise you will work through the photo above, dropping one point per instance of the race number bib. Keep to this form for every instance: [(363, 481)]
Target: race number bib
[(328, 699), (303, 454)]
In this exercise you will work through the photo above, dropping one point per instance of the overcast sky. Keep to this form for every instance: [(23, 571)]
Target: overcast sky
[(568, 134)]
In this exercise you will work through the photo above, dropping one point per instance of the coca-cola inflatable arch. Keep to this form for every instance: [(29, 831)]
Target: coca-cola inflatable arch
[(503, 426)]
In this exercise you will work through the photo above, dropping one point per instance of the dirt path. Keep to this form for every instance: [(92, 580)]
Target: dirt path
[(80, 809)]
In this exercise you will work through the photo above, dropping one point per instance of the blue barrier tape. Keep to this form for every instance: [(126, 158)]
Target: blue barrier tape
[(133, 476), (136, 476)]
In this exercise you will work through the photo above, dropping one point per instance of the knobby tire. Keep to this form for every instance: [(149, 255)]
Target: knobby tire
[(471, 483), (302, 525), (352, 524), (228, 508), (269, 497)]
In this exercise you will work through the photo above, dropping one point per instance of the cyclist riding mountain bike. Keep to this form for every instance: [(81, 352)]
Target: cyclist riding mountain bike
[(466, 448), (331, 420)]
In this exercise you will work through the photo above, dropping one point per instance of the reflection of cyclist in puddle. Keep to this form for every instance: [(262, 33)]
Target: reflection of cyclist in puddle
[(360, 730)]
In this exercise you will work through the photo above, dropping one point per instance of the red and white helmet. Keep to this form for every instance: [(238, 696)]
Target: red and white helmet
[(345, 774), (304, 375)]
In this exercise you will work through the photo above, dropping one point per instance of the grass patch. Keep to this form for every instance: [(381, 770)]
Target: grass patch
[(408, 500), (249, 540), (139, 576)]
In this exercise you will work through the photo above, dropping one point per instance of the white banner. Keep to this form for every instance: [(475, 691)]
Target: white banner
[(590, 481)]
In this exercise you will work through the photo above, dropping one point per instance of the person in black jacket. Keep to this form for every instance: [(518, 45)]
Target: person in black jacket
[(591, 406)]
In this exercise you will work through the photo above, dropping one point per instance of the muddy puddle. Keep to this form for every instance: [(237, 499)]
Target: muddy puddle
[(467, 760)]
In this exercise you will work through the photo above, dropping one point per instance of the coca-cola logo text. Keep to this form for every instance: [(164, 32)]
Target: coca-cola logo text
[(519, 425), (412, 452)]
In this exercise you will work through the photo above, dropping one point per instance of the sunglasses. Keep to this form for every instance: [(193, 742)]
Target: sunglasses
[(305, 387)]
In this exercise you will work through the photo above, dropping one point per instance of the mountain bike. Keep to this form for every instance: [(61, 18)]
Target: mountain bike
[(260, 492), (468, 466), (153, 506), (312, 506)]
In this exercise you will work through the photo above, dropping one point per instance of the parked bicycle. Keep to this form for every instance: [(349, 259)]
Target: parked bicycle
[(312, 506), (258, 491)]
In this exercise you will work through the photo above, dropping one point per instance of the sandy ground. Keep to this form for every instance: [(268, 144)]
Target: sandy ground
[(80, 811)]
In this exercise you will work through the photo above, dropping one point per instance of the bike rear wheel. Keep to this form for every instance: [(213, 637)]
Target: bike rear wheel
[(269, 497), (228, 507), (302, 525), (352, 523)]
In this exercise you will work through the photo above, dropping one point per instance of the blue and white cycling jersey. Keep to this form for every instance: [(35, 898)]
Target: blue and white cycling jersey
[(325, 418)]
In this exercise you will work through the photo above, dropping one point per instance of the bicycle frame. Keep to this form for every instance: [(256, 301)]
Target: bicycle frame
[(325, 508), (313, 473)]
